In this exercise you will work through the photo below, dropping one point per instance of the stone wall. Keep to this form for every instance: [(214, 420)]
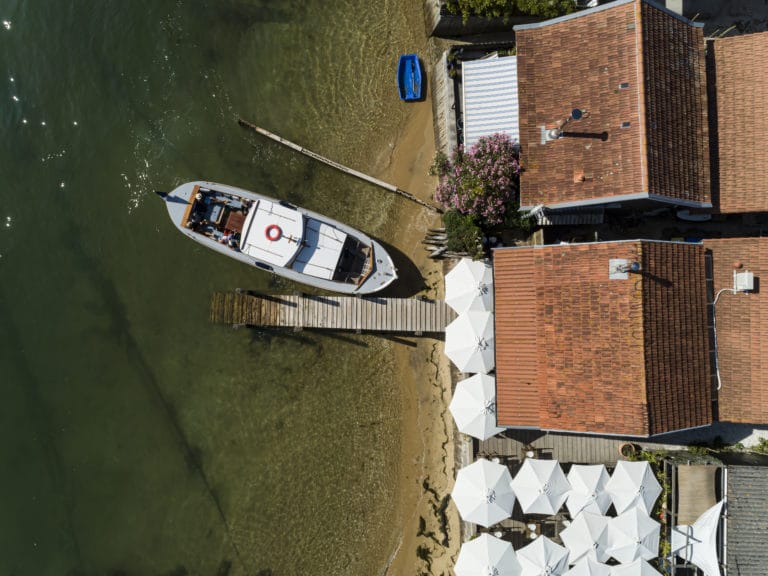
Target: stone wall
[(444, 106)]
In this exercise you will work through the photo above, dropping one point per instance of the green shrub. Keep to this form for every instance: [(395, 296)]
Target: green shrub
[(762, 446), (463, 233), (699, 450), (508, 8)]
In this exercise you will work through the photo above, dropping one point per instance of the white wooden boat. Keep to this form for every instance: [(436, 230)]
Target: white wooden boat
[(278, 237)]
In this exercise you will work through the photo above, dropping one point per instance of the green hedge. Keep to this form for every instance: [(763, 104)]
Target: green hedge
[(463, 233), (508, 8)]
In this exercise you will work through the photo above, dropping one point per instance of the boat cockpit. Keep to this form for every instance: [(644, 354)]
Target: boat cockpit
[(217, 215), (278, 235)]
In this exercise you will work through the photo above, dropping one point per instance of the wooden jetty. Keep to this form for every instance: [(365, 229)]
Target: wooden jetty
[(341, 313)]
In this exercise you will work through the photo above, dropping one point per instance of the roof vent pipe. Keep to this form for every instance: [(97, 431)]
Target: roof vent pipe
[(621, 268), (575, 115)]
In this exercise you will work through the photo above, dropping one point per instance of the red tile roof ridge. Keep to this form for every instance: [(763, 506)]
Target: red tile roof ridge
[(624, 241), (601, 8), (574, 15)]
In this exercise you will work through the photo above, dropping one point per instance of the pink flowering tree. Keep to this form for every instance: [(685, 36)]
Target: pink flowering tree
[(481, 182)]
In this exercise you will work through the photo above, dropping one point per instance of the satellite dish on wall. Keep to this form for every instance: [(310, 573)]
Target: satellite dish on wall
[(576, 114)]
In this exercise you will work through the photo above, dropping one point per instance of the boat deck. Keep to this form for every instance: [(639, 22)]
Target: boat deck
[(341, 313)]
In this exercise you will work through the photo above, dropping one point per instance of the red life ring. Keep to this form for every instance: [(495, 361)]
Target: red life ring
[(273, 233)]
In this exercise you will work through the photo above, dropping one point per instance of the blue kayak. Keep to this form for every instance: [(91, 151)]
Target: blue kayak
[(409, 77)]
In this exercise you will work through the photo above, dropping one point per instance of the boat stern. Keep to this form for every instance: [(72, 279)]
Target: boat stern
[(179, 202)]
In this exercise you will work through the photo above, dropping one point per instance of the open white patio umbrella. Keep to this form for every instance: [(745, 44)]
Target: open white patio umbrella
[(469, 286), (588, 567), (540, 486), (469, 342), (637, 568), (587, 536), (633, 484), (698, 543), (483, 493), (486, 555), (632, 535), (542, 557), (474, 406), (588, 489)]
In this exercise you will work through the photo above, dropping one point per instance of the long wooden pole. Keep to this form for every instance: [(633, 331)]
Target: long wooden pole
[(338, 166)]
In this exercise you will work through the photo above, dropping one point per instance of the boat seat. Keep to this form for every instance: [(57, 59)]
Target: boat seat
[(217, 211)]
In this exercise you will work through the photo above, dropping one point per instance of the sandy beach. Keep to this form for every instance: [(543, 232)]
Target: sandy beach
[(426, 537)]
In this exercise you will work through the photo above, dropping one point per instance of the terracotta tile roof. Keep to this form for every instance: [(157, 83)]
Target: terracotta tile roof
[(515, 270), (677, 131), (742, 330), (738, 87), (639, 72), (577, 351), (676, 336)]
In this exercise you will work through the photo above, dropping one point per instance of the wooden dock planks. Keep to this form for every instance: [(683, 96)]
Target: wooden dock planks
[(342, 313)]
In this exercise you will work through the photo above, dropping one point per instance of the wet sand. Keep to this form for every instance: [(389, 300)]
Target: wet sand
[(426, 537)]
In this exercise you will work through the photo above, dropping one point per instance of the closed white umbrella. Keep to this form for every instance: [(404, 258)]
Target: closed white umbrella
[(633, 484), (542, 557), (487, 555), (469, 342), (469, 286), (632, 535), (483, 493), (587, 536), (588, 489), (698, 543), (474, 406), (636, 568), (540, 486), (588, 567)]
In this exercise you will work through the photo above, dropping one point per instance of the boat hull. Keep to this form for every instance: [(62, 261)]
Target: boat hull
[(382, 270), (409, 82)]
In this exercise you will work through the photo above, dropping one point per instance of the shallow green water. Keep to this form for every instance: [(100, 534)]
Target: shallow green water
[(135, 438)]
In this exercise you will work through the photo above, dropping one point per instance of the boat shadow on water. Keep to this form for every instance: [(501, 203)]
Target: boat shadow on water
[(409, 279)]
